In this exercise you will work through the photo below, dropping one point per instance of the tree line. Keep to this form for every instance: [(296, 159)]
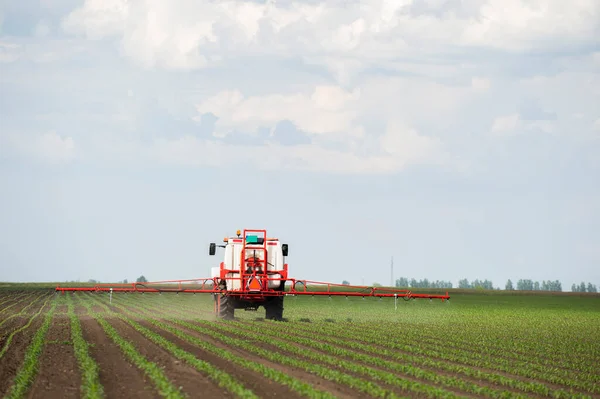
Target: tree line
[(530, 285), (582, 287), (521, 285), (425, 283)]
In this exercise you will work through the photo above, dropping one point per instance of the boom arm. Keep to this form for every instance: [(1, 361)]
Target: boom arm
[(211, 286)]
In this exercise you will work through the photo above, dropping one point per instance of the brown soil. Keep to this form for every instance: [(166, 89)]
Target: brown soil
[(16, 322), (118, 376), (365, 377), (193, 382), (431, 369), (59, 375), (13, 358), (249, 377), (482, 369), (16, 305)]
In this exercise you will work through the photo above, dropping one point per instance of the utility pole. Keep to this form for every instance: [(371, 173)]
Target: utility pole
[(392, 273)]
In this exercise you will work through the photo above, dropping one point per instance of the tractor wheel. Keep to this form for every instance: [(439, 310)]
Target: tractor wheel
[(225, 307), (274, 308)]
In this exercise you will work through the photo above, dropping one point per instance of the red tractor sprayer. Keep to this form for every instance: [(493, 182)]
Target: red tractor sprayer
[(253, 273)]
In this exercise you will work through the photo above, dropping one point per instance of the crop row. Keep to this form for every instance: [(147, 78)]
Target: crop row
[(23, 311), (91, 387), (152, 370), (277, 330), (23, 299), (313, 357), (269, 372), (583, 380), (26, 374), (10, 297), (377, 335), (500, 344), (22, 328)]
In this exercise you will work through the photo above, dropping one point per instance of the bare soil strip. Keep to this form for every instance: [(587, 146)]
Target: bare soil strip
[(457, 363), (255, 381), (13, 320), (14, 356), (58, 375), (393, 388), (258, 383), (338, 387), (194, 383), (120, 378), (20, 303), (391, 359)]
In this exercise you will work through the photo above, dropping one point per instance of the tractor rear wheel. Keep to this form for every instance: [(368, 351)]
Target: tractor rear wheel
[(225, 306), (274, 308)]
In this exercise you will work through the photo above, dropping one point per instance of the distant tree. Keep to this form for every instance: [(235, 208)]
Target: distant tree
[(574, 288), (93, 281), (376, 285), (591, 288), (141, 279), (125, 281), (509, 286), (345, 282), (464, 283), (402, 282), (525, 285), (536, 286), (582, 287)]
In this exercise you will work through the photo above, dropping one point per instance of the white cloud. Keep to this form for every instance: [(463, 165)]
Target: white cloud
[(513, 124), (328, 109), (187, 34), (506, 123), (9, 52), (480, 83), (47, 147), (402, 148), (97, 19), (42, 29)]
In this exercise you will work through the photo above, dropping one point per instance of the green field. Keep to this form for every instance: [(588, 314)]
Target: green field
[(479, 344)]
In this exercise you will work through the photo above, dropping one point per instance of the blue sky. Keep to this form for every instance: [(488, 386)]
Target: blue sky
[(460, 137)]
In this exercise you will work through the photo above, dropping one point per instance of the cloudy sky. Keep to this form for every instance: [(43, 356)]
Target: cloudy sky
[(461, 137)]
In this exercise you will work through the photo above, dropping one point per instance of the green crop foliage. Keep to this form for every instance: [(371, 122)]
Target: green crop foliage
[(91, 387), (27, 372), (496, 345)]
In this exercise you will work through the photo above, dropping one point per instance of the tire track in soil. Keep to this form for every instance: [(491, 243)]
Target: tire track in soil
[(59, 375), (249, 378), (15, 354), (119, 377), (192, 382)]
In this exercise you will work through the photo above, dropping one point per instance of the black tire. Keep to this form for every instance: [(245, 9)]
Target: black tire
[(225, 307), (274, 308)]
